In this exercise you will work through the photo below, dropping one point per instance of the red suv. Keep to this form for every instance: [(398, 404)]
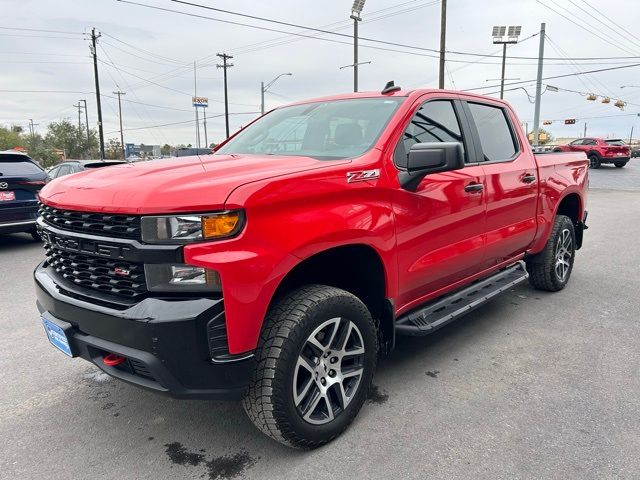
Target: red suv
[(599, 150)]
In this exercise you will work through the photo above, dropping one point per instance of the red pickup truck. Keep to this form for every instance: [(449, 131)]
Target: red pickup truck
[(277, 269), (599, 150)]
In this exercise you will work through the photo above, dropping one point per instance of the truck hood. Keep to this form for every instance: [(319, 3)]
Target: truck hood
[(184, 184)]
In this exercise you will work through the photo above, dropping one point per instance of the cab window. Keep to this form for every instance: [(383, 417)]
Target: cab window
[(496, 136), (435, 121)]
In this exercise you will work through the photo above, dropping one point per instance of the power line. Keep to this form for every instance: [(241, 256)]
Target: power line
[(557, 76), (40, 30), (615, 24), (453, 52), (583, 28), (608, 27), (179, 62), (183, 122), (37, 36)]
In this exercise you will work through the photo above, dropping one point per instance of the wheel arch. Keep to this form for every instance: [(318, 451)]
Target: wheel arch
[(357, 268), (571, 205)]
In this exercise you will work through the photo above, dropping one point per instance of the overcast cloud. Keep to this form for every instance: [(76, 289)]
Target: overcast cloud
[(175, 41)]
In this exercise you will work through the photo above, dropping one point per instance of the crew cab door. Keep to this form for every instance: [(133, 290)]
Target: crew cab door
[(440, 227), (511, 180)]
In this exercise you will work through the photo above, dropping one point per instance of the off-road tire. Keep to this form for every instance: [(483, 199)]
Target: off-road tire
[(269, 402), (542, 267), (620, 164), (594, 161)]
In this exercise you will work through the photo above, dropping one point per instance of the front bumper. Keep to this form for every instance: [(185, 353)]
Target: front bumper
[(165, 341)]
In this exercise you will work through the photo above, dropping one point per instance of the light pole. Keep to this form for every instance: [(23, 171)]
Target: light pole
[(356, 10), (499, 37), (264, 88)]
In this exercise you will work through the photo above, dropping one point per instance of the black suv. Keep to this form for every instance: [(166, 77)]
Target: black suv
[(20, 180)]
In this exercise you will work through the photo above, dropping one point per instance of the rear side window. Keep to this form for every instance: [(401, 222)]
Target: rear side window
[(496, 137), (17, 166), (435, 121)]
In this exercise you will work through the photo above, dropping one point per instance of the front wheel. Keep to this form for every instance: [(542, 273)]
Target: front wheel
[(550, 269), (620, 164), (314, 365), (594, 161)]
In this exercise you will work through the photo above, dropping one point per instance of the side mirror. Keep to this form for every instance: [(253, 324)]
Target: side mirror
[(431, 157)]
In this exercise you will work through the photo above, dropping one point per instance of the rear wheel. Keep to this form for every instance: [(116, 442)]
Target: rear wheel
[(550, 269), (620, 164), (315, 361), (594, 161)]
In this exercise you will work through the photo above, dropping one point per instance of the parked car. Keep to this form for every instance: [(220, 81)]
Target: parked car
[(21, 178), (635, 152), (191, 151), (75, 166), (599, 150), (276, 269)]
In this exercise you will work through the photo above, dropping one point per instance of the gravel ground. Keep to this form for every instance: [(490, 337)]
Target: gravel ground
[(529, 386)]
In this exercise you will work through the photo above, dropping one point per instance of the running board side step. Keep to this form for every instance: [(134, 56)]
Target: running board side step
[(443, 310)]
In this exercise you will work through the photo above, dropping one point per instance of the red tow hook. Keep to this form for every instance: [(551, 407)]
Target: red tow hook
[(113, 360)]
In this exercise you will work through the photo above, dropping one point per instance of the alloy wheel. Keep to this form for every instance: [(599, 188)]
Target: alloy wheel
[(328, 371), (564, 254)]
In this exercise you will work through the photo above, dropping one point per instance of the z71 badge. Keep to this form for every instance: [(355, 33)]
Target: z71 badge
[(363, 175)]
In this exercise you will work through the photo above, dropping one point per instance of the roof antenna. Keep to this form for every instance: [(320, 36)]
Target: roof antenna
[(390, 87)]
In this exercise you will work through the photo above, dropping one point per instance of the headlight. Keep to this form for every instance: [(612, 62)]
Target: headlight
[(171, 277), (191, 228)]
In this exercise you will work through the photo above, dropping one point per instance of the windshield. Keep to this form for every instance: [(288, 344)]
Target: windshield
[(323, 130)]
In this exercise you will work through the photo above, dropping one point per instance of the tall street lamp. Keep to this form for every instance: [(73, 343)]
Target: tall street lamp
[(499, 37), (356, 10), (264, 88)]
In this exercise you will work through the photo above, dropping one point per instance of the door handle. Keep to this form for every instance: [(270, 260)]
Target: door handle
[(474, 187), (529, 178)]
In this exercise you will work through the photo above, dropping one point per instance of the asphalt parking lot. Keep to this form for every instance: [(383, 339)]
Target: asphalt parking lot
[(531, 385)]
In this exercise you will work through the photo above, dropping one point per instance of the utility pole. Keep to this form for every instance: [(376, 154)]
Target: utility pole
[(224, 67), (204, 121), (631, 135), (95, 37), (32, 130), (86, 121), (79, 107), (504, 62), (355, 52), (536, 115), (585, 130), (195, 94), (443, 40), (119, 93)]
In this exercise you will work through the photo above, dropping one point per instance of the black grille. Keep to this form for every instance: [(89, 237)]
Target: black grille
[(104, 224), (98, 273), (140, 368), (217, 334)]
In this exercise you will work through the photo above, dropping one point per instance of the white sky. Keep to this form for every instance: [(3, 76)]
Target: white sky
[(175, 41)]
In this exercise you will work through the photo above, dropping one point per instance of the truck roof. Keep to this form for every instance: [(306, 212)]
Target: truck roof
[(398, 93)]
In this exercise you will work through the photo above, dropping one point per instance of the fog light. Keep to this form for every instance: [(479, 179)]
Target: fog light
[(167, 277)]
